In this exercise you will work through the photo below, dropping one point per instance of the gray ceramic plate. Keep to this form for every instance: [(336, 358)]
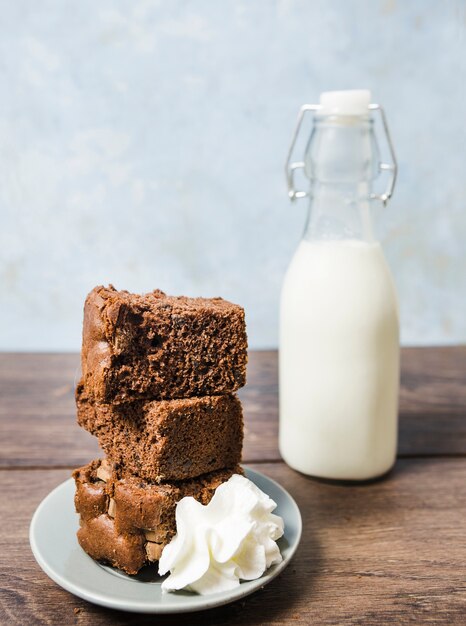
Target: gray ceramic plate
[(53, 541)]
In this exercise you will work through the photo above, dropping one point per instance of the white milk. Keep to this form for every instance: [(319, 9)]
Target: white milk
[(339, 361)]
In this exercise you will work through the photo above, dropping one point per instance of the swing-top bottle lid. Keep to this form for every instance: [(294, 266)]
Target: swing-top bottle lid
[(349, 102), (352, 104)]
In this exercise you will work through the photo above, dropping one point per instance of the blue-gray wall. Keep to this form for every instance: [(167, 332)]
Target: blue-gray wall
[(142, 143)]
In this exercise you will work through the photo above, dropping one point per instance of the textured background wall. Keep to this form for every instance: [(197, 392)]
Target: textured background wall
[(142, 143)]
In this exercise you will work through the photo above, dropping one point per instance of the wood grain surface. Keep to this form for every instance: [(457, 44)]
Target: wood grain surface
[(385, 552), (389, 552), (37, 412)]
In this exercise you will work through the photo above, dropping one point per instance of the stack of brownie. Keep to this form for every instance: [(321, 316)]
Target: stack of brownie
[(157, 390)]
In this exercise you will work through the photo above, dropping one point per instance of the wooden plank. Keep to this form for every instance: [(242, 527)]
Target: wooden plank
[(37, 413), (433, 401), (387, 552)]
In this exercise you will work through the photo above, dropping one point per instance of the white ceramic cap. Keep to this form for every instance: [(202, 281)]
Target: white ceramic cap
[(350, 102)]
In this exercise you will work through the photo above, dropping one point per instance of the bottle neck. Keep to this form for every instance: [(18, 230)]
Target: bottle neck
[(341, 162), (342, 211)]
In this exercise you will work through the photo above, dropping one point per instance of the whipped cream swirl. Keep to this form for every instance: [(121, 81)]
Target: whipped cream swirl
[(230, 539)]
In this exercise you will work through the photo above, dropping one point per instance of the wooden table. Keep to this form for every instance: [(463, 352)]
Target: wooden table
[(393, 551)]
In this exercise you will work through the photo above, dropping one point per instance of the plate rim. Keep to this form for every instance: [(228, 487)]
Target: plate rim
[(208, 602)]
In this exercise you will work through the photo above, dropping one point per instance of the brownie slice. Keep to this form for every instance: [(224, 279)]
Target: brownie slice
[(166, 439), (125, 521), (161, 347)]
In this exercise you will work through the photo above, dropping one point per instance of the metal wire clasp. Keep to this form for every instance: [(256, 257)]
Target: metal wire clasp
[(292, 166), (386, 167)]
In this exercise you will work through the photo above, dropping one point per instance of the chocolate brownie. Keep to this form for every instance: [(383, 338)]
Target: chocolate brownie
[(166, 439), (126, 521), (161, 347)]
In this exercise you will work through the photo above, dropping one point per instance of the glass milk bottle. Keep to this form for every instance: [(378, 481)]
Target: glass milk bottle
[(339, 330)]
